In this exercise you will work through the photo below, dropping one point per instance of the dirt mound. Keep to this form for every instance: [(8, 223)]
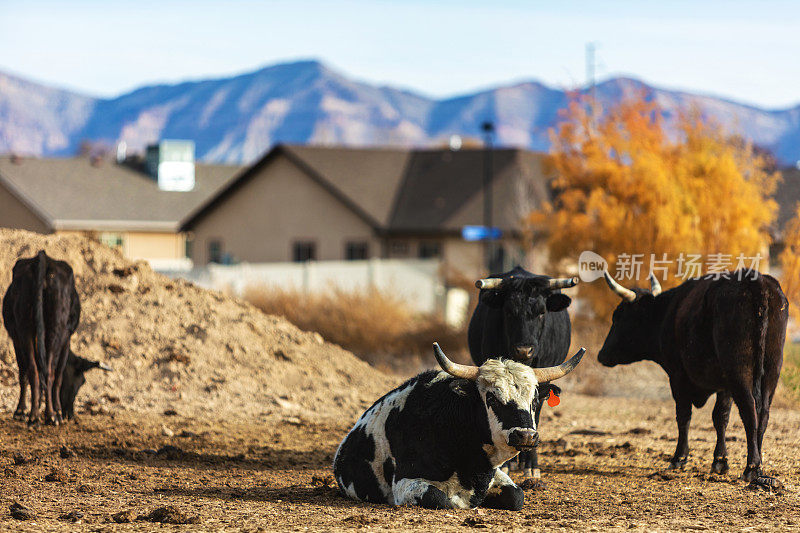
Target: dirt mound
[(177, 347)]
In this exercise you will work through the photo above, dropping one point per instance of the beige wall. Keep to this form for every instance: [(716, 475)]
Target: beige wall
[(15, 214), (464, 258), (261, 220), (142, 245)]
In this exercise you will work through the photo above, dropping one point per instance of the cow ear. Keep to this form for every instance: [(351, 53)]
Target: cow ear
[(558, 302), (555, 388)]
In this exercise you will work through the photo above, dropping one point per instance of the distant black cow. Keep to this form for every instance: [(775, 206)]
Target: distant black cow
[(713, 334), (439, 439), (522, 316), (41, 311)]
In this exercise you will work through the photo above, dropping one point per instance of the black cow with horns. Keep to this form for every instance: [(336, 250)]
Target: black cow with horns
[(439, 439), (720, 334), (523, 317), (41, 311)]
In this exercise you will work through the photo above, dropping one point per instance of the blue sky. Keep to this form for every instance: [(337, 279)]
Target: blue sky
[(745, 51)]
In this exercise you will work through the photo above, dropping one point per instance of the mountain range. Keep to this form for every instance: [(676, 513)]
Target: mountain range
[(235, 119)]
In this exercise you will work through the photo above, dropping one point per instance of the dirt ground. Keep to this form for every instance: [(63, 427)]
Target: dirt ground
[(603, 465), (219, 417)]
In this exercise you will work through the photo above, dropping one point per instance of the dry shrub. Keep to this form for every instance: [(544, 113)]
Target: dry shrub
[(788, 392), (376, 326)]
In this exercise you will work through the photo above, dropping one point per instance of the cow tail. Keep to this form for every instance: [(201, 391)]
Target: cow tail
[(761, 343), (41, 360)]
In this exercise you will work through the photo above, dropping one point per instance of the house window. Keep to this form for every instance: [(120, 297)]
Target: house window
[(215, 251), (356, 250), (398, 249), (428, 249), (112, 240), (304, 251), (188, 246)]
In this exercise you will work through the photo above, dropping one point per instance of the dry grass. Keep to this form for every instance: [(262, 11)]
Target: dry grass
[(376, 326), (788, 394), (382, 330)]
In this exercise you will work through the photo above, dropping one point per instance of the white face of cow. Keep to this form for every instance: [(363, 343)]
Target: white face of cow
[(508, 389)]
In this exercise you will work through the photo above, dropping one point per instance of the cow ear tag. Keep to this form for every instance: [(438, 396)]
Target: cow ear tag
[(553, 400)]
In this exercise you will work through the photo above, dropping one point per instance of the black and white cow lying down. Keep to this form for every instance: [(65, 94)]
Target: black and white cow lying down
[(439, 439)]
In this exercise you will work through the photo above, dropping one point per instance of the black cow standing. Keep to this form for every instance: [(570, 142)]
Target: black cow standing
[(41, 311), (522, 316), (712, 334)]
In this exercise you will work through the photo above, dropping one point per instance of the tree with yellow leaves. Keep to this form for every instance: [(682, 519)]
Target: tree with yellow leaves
[(790, 264), (626, 185)]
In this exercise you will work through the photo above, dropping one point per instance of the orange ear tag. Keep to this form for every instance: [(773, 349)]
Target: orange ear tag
[(553, 400)]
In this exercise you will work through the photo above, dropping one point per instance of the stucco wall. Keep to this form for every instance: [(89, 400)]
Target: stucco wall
[(142, 245), (464, 258), (261, 220), (15, 214), (147, 245)]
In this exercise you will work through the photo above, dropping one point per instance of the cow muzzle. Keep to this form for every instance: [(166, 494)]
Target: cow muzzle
[(523, 439), (522, 353), (604, 359)]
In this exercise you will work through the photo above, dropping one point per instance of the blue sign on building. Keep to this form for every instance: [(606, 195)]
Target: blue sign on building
[(480, 233)]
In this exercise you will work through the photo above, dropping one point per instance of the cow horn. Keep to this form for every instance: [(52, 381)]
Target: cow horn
[(454, 369), (489, 283), (655, 286), (552, 373), (563, 283), (626, 294), (103, 366)]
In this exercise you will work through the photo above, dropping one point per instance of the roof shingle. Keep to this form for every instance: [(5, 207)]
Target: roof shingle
[(72, 193), (411, 190)]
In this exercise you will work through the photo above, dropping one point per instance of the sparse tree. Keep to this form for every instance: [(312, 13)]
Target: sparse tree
[(625, 184)]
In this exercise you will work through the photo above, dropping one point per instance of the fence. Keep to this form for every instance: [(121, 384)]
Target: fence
[(418, 282)]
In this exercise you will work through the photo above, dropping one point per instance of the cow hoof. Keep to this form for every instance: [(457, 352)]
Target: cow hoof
[(719, 466), (677, 463), (50, 421), (751, 473), (34, 422), (19, 415)]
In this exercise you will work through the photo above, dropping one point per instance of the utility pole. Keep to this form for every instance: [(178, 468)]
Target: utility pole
[(488, 168), (590, 77)]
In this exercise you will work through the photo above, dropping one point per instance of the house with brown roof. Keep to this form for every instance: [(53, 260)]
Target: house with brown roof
[(301, 203), (121, 205)]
